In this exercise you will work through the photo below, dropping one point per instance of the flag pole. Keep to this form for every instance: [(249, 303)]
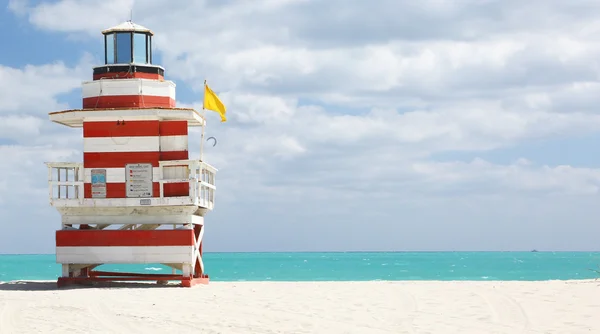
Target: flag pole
[(203, 126)]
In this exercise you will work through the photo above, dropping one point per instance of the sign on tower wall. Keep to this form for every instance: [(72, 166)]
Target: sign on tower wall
[(98, 183), (138, 178)]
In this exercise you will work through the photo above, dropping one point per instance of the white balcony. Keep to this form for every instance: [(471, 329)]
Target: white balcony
[(66, 182)]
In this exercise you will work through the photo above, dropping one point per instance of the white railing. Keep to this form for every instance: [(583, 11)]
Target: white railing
[(199, 175), (66, 179)]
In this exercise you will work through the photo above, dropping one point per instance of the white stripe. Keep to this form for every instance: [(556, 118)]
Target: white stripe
[(121, 144), (111, 118), (128, 254), (131, 219), (173, 143), (118, 87), (116, 175)]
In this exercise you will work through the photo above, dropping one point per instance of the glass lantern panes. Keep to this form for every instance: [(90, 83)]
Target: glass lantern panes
[(128, 47)]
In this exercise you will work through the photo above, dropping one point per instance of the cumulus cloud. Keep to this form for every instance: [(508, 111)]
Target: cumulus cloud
[(35, 88), (45, 14), (28, 94), (344, 106)]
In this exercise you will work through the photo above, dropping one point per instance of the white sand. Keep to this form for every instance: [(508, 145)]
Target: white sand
[(565, 307)]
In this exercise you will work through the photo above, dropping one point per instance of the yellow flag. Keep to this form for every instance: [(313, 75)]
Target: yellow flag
[(212, 102)]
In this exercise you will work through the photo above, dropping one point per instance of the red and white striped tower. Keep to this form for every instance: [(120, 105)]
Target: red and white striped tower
[(137, 197)]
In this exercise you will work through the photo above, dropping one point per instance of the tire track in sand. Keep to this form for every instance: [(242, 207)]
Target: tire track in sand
[(109, 320), (407, 323), (507, 313), (9, 313)]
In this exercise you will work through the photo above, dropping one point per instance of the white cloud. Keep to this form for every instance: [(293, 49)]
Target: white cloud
[(35, 89), (17, 127), (62, 15), (28, 94), (334, 108), (520, 176)]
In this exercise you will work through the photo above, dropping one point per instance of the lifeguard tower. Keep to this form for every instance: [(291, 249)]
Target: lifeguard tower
[(137, 197)]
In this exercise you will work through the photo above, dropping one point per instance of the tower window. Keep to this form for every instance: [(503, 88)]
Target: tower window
[(109, 46), (139, 48), (124, 48)]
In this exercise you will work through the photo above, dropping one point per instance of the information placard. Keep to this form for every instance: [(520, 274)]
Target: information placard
[(138, 178), (98, 183)]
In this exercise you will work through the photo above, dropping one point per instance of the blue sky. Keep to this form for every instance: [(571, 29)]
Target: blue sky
[(424, 126)]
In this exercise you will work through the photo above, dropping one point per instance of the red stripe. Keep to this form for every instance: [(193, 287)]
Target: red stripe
[(173, 128), (116, 238), (119, 159), (117, 190), (122, 129), (173, 155), (128, 75), (176, 189), (128, 101)]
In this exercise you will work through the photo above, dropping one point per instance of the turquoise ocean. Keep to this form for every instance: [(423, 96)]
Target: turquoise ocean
[(349, 266)]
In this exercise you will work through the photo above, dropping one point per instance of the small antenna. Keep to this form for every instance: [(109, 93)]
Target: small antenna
[(131, 15)]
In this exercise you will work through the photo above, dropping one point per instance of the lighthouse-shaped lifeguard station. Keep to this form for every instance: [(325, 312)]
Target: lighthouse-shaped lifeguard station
[(137, 197)]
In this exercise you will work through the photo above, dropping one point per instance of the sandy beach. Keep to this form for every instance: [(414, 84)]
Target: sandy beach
[(565, 307)]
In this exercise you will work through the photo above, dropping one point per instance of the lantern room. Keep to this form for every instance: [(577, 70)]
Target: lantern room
[(128, 43), (128, 53)]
